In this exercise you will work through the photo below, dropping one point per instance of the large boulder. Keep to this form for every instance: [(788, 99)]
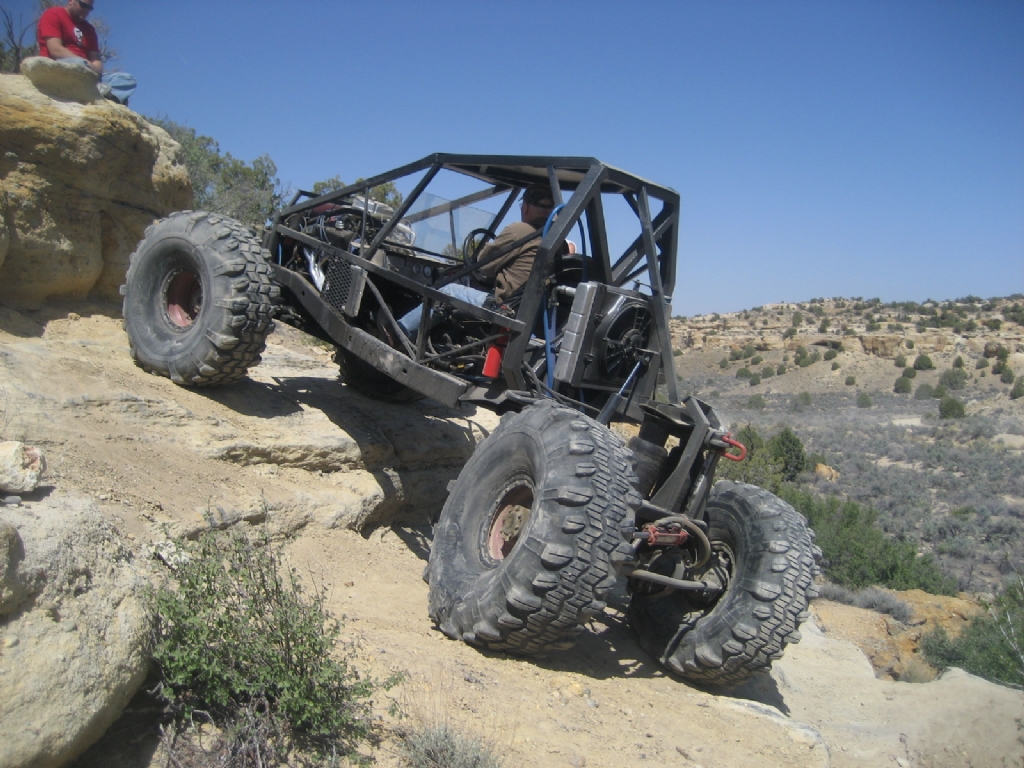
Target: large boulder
[(65, 82), (74, 630), (79, 184), (21, 467)]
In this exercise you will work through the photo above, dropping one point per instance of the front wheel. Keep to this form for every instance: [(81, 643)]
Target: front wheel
[(531, 537), (198, 299), (764, 559)]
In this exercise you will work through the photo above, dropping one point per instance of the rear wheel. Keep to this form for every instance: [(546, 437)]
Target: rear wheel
[(530, 539), (198, 299), (764, 558), (368, 381)]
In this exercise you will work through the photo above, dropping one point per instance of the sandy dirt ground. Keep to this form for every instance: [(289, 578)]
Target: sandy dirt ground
[(291, 446)]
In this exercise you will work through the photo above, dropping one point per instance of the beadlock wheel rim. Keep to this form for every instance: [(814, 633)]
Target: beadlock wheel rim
[(509, 520), (183, 299)]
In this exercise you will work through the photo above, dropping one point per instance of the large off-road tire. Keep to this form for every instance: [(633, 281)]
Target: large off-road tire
[(368, 381), (764, 555), (530, 538), (198, 299)]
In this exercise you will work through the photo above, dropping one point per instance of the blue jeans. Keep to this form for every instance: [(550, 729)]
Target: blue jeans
[(411, 320), (122, 85)]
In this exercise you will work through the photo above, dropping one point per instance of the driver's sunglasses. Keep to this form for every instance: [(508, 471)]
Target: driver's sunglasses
[(84, 6)]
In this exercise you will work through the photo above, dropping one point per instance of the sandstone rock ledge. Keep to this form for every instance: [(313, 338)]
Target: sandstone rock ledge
[(73, 630), (79, 183)]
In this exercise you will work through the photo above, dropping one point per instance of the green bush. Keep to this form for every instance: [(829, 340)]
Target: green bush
[(757, 402), (909, 373), (902, 386), (924, 392), (873, 326), (923, 363), (1018, 389), (939, 392), (787, 449), (807, 359), (743, 373), (954, 379), (864, 400), (221, 183), (910, 343), (756, 360), (990, 646), (780, 369), (767, 372), (677, 352), (240, 640), (798, 319), (982, 363), (723, 363), (755, 380), (856, 554), (951, 408), (760, 468), (802, 401), (851, 380), (789, 334), (901, 361), (835, 365), (958, 362), (1006, 376), (831, 354)]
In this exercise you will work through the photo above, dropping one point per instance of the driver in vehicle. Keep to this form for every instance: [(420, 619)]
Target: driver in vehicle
[(507, 275), (510, 273)]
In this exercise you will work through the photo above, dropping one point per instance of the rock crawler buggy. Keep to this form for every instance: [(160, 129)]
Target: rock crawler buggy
[(553, 507)]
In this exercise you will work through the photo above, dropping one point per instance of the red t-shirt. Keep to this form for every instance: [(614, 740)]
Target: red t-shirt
[(79, 37)]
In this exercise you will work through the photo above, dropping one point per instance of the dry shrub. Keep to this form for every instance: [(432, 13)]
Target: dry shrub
[(434, 736)]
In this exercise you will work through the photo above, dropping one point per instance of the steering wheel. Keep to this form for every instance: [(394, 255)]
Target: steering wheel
[(470, 247)]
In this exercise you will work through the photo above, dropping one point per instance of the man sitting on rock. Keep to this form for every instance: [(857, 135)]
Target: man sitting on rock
[(64, 35)]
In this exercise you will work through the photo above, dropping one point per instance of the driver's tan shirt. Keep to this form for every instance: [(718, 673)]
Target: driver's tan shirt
[(509, 273)]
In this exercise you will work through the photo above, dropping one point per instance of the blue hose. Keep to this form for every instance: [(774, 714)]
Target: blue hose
[(549, 313)]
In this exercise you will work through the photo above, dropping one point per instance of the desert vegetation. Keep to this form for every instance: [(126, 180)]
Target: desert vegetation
[(240, 644), (920, 431)]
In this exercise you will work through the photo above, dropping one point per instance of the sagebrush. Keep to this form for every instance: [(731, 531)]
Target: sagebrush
[(240, 640)]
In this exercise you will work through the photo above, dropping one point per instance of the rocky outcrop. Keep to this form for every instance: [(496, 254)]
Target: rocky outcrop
[(79, 183), (65, 82), (73, 630), (825, 472), (21, 467), (881, 346)]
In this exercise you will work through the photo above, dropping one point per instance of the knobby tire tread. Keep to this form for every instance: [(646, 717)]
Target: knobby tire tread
[(240, 299), (760, 613), (558, 575)]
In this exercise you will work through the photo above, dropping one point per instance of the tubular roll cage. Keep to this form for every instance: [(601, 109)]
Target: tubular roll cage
[(652, 255)]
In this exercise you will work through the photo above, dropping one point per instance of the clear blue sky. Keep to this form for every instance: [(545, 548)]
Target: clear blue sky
[(855, 148)]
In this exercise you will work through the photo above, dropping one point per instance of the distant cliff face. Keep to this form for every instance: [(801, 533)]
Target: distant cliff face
[(79, 184)]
